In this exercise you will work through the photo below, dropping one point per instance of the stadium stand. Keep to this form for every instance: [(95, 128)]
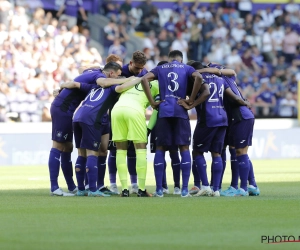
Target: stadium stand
[(259, 41)]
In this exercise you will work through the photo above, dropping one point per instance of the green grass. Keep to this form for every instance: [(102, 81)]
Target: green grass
[(31, 219)]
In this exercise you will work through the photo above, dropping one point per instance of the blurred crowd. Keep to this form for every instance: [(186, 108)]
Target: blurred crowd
[(37, 53), (262, 45), (39, 50)]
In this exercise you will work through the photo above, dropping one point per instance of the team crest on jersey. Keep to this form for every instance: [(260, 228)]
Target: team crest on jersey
[(95, 144), (59, 134)]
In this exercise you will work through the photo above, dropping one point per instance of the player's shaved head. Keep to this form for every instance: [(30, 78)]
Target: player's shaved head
[(162, 63), (138, 57)]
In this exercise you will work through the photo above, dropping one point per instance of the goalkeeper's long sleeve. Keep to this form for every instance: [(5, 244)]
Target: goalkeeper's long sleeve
[(152, 120)]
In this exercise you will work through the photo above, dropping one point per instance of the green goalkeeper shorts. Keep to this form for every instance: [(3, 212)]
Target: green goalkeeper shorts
[(128, 124)]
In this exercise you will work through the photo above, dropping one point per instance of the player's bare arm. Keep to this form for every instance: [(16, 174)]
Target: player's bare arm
[(205, 93), (197, 85), (107, 82), (145, 84), (237, 99), (128, 85)]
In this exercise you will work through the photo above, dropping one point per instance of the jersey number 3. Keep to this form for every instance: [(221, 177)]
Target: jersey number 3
[(174, 77)]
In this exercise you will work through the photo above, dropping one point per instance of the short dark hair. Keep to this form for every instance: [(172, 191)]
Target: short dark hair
[(139, 57), (162, 63), (175, 54), (112, 66), (198, 65)]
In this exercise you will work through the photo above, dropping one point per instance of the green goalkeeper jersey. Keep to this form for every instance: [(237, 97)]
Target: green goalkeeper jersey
[(136, 98)]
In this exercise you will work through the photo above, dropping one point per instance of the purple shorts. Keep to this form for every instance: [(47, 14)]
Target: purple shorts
[(153, 143), (62, 130), (173, 131), (87, 136), (209, 139), (241, 133)]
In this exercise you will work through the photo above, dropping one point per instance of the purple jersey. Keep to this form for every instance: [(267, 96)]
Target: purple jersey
[(69, 99), (95, 106), (237, 112), (72, 6), (173, 80), (212, 113), (127, 73)]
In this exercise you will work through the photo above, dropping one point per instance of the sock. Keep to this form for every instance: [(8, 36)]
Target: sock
[(80, 172), (244, 167), (131, 163), (196, 175), (185, 167), (201, 166), (53, 164), (164, 183), (175, 163), (67, 169), (101, 163), (223, 156), (159, 160), (122, 168), (251, 177), (211, 175), (92, 173), (141, 167), (234, 169), (112, 166), (217, 168)]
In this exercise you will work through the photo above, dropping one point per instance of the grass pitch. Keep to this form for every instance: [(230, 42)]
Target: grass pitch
[(31, 219)]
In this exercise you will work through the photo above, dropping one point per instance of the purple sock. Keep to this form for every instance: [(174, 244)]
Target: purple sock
[(131, 163), (201, 166), (251, 177), (185, 167), (217, 168), (211, 175), (80, 172), (101, 171), (112, 166), (164, 183), (244, 167), (175, 163), (67, 168), (223, 155), (196, 175), (53, 164), (234, 169), (159, 160), (91, 165)]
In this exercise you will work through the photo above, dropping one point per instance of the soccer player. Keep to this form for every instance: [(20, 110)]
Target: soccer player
[(211, 127), (134, 68), (245, 113), (62, 110), (173, 152), (89, 122), (173, 125), (129, 124)]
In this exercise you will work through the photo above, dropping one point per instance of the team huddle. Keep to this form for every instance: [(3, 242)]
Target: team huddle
[(104, 109)]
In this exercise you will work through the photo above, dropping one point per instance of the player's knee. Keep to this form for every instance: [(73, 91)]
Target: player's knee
[(87, 170), (184, 148), (77, 169), (68, 147), (103, 152)]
